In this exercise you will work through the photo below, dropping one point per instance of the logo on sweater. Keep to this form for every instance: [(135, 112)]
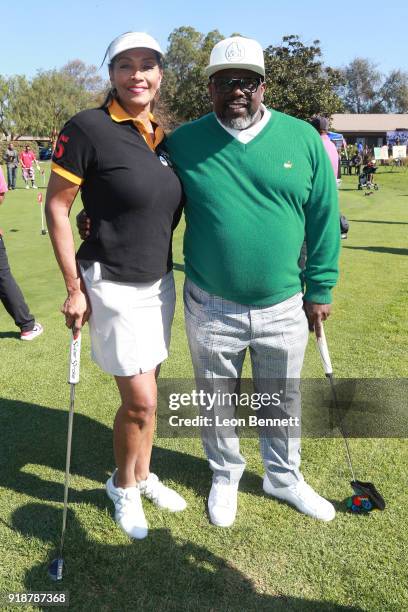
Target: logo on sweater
[(234, 52), (288, 164)]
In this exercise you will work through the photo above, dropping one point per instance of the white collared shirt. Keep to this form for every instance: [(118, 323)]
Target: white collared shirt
[(249, 133)]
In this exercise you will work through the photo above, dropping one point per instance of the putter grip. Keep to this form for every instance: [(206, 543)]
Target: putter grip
[(74, 358), (324, 353)]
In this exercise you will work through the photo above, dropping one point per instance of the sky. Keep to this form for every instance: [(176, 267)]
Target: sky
[(47, 34)]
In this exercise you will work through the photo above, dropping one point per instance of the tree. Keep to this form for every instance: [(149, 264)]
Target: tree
[(85, 76), (360, 87), (184, 91), (19, 105), (41, 106), (297, 81), (53, 99), (4, 111), (366, 90), (393, 93), (14, 92)]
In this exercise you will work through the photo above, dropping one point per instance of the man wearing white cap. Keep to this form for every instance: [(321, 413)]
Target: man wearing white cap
[(256, 181)]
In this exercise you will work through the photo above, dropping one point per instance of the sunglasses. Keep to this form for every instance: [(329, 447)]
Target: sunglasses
[(247, 85)]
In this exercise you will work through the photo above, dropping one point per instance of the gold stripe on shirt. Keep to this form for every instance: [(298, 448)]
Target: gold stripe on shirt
[(66, 174)]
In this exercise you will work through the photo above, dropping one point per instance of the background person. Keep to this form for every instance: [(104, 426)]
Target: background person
[(10, 157), (357, 161), (132, 197), (321, 124), (10, 293), (369, 170), (27, 159)]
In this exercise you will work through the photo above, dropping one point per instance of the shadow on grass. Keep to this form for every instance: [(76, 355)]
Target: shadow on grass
[(32, 434), (158, 573), (376, 221), (10, 335), (36, 435), (379, 249)]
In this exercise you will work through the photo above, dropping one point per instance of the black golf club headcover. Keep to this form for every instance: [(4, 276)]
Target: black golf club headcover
[(368, 489)]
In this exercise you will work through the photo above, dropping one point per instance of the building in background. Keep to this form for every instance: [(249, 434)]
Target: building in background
[(370, 129)]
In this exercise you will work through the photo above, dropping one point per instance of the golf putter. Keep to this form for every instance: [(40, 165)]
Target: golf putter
[(367, 496), (56, 566)]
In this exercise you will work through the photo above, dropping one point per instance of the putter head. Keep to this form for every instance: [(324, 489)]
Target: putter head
[(55, 569), (368, 489)]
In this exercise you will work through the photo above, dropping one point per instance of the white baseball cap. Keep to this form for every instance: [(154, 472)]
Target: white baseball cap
[(131, 40), (236, 52)]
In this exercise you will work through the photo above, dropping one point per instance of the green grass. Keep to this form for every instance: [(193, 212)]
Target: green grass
[(273, 558)]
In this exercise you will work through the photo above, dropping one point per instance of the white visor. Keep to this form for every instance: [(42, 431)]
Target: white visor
[(131, 40)]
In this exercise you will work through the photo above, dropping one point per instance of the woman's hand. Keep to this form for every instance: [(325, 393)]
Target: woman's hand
[(76, 309)]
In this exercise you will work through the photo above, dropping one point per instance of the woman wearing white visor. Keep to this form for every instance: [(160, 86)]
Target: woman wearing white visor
[(123, 272)]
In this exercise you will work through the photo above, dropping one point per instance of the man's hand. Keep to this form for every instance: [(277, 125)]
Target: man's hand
[(316, 313), (83, 224)]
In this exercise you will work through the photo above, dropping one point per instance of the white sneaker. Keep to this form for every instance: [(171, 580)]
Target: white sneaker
[(222, 504), (304, 498), (160, 495), (35, 187), (33, 333), (27, 186), (129, 513)]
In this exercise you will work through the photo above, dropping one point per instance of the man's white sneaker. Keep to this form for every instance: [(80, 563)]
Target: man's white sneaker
[(304, 498), (27, 186), (129, 513), (35, 187), (222, 504), (160, 495)]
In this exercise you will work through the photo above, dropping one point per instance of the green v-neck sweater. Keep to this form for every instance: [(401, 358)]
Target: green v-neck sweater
[(249, 207)]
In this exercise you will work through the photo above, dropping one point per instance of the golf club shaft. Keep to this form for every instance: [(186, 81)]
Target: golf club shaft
[(67, 464), (73, 379), (325, 357), (331, 380)]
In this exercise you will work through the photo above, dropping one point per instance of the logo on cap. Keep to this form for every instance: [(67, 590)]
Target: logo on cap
[(234, 52)]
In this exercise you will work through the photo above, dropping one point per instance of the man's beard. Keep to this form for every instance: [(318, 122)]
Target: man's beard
[(242, 123)]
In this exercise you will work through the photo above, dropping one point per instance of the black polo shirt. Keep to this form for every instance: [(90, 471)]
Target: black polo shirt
[(129, 191)]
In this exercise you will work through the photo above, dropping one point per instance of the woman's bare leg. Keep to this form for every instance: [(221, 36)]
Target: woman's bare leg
[(134, 427), (142, 467)]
